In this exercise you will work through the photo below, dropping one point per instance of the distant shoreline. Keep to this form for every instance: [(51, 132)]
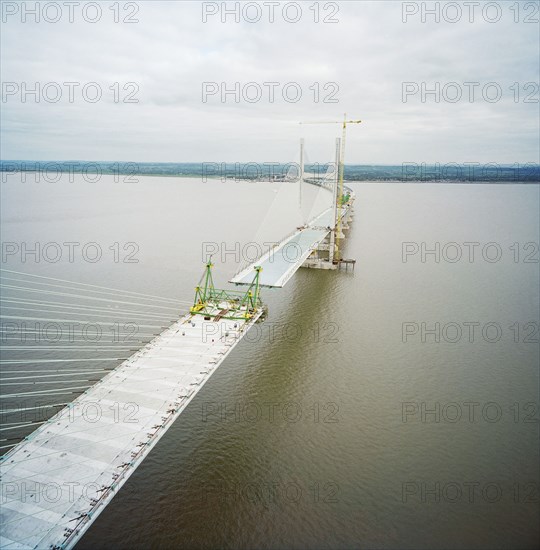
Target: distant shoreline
[(467, 173)]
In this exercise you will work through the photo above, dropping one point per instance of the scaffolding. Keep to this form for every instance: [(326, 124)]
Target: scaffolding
[(212, 302)]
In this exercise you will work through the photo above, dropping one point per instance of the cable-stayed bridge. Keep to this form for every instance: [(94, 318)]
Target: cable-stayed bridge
[(60, 477)]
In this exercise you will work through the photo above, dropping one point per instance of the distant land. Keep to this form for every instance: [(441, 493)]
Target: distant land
[(466, 172)]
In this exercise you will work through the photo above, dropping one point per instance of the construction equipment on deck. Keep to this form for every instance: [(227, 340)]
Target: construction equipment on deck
[(231, 304)]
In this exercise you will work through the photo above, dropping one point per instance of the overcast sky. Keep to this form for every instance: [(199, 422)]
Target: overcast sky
[(368, 53)]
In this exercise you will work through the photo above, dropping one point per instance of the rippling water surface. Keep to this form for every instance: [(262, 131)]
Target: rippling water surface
[(318, 430)]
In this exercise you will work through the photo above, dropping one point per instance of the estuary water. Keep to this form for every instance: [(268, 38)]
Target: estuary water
[(393, 406)]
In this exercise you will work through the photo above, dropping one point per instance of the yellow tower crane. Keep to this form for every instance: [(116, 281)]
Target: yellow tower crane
[(339, 198)]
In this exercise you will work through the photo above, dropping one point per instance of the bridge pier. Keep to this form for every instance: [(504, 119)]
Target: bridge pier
[(328, 247), (318, 263)]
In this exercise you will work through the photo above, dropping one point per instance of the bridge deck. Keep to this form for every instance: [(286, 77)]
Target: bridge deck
[(282, 262), (58, 480)]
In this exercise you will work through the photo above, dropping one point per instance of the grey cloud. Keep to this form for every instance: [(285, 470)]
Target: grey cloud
[(170, 52)]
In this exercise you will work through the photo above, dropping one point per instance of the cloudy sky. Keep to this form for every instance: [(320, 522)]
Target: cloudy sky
[(152, 60)]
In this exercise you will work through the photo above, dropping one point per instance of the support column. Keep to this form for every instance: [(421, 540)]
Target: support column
[(302, 171), (335, 202)]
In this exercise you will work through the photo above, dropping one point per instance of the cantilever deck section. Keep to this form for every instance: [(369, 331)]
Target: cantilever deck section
[(59, 479), (281, 262)]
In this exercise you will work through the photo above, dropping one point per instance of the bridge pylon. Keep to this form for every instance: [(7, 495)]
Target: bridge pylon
[(327, 255)]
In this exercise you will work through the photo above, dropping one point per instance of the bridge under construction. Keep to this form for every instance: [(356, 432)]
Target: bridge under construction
[(58, 479)]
